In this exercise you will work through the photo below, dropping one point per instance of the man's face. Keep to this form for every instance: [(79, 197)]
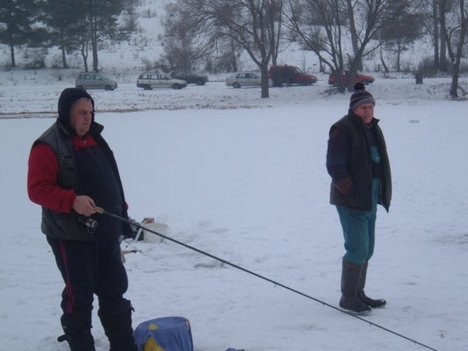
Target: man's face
[(365, 111), (81, 116)]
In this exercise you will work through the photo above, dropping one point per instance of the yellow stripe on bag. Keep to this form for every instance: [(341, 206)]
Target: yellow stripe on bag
[(152, 345)]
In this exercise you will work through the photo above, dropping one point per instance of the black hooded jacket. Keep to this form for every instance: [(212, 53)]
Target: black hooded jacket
[(69, 226)]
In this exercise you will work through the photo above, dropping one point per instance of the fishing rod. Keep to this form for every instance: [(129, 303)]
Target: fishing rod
[(100, 210)]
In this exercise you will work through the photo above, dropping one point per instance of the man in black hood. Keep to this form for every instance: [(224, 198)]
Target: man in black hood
[(72, 170)]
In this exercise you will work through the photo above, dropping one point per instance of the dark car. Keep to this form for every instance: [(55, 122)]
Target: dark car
[(362, 78), (289, 75), (189, 76)]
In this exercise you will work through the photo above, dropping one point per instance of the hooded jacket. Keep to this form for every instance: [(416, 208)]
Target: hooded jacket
[(65, 223)]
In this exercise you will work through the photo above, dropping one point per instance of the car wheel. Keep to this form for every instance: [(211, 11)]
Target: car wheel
[(236, 85), (147, 87), (176, 86), (199, 82), (108, 88), (365, 82)]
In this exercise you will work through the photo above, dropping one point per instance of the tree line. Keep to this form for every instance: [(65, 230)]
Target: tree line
[(341, 33), (71, 25)]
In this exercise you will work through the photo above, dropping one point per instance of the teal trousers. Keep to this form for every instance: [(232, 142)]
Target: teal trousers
[(359, 230)]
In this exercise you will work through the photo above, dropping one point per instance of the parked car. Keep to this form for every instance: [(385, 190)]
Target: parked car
[(364, 79), (286, 74), (93, 80), (243, 79), (190, 77), (151, 80)]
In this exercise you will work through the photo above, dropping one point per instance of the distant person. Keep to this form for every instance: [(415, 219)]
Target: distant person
[(277, 77), (71, 170), (289, 72), (358, 164)]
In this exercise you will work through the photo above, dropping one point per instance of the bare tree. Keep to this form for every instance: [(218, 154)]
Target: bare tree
[(456, 40), (253, 24), (438, 12), (399, 35), (436, 33), (183, 48), (362, 20), (319, 25), (442, 9)]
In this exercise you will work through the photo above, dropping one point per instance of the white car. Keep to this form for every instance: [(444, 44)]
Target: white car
[(243, 79), (93, 80), (149, 81)]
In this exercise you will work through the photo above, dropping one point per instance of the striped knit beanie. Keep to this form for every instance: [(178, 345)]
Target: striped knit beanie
[(360, 97)]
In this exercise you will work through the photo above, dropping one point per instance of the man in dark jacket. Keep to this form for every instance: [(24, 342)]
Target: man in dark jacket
[(358, 164), (72, 170)]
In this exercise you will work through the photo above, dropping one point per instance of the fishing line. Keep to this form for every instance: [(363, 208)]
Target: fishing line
[(136, 224)]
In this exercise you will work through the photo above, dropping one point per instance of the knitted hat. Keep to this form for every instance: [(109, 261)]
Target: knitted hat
[(66, 100), (360, 97)]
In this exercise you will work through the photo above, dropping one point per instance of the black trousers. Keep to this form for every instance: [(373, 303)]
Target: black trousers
[(90, 268)]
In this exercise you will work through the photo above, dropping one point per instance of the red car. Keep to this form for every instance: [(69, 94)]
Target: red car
[(286, 74), (364, 79)]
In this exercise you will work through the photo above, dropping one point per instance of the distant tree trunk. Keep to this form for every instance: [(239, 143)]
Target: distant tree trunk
[(64, 58), (62, 48), (12, 46), (398, 68), (265, 80), (94, 39), (354, 36), (84, 55), (436, 34), (234, 63), (321, 64), (273, 59), (12, 56), (459, 53), (443, 36), (383, 61)]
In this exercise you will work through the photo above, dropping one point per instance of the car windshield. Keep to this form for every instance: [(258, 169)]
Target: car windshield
[(298, 70)]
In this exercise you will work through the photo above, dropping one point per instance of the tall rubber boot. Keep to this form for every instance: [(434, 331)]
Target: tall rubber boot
[(77, 330), (350, 279), (117, 324), (378, 303)]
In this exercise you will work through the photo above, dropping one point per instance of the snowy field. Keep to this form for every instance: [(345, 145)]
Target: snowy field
[(244, 179)]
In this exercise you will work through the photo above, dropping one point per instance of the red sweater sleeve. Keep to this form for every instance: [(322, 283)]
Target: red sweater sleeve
[(42, 181)]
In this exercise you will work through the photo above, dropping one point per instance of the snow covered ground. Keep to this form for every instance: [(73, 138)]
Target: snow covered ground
[(244, 179)]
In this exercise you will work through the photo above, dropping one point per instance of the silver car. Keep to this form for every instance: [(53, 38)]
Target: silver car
[(149, 81), (92, 80), (243, 79)]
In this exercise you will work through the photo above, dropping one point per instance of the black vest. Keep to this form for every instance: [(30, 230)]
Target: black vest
[(68, 226), (360, 166)]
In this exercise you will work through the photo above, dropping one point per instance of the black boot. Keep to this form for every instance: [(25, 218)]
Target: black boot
[(362, 295), (350, 278), (77, 330), (117, 324)]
